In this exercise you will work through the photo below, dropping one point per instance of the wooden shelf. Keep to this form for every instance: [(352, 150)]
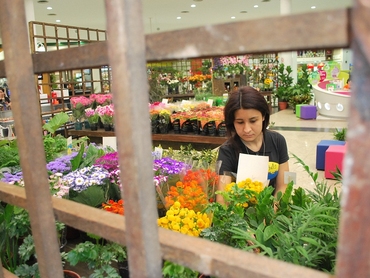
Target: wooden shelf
[(170, 139)]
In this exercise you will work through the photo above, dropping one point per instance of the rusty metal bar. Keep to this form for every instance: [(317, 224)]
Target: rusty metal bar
[(126, 49), (289, 33), (353, 245), (25, 108), (199, 254)]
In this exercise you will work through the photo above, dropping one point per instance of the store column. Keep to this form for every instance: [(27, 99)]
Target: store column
[(288, 58)]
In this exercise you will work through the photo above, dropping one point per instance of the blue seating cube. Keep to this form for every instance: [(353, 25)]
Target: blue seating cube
[(321, 148)]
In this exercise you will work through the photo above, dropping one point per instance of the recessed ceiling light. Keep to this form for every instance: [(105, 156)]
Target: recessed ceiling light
[(184, 12), (179, 17), (313, 7), (233, 17), (243, 12), (193, 5), (58, 20), (49, 8), (255, 6)]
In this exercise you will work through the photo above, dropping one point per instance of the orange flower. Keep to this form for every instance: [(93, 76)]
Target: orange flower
[(114, 207)]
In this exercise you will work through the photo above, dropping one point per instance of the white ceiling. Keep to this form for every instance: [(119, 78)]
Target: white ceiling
[(160, 15)]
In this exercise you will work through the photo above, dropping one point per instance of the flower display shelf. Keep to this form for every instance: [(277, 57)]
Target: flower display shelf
[(170, 139)]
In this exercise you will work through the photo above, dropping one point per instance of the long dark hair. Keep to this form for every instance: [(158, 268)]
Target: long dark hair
[(245, 98)]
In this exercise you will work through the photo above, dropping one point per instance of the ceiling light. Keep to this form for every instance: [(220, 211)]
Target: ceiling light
[(197, 0), (243, 12), (179, 17), (184, 12), (58, 20), (42, 1), (255, 6), (233, 17), (193, 5), (52, 14), (49, 8), (313, 7)]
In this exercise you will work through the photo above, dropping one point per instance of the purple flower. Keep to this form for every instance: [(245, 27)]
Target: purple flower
[(169, 166), (81, 179)]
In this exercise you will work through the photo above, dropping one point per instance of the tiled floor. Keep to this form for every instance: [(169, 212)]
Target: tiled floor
[(302, 137)]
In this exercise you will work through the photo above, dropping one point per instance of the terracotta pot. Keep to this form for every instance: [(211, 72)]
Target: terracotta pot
[(71, 274), (283, 105)]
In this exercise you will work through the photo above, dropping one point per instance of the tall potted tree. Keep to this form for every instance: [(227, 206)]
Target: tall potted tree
[(284, 86), (302, 91)]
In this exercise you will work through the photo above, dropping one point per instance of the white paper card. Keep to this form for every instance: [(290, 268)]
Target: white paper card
[(158, 152), (69, 145), (290, 176), (111, 142), (254, 167), (165, 100), (210, 102)]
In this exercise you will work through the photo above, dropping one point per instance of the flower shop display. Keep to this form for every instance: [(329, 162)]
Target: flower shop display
[(92, 117), (226, 66), (106, 114), (78, 106), (100, 99)]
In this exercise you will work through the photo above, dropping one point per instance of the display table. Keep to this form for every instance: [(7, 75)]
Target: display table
[(334, 104), (198, 142)]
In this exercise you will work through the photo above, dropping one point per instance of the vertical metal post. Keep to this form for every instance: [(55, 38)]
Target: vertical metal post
[(127, 57), (25, 103)]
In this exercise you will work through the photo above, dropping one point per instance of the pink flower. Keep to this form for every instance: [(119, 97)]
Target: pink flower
[(105, 113)]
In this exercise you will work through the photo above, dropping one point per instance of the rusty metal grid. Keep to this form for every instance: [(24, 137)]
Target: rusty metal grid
[(196, 253)]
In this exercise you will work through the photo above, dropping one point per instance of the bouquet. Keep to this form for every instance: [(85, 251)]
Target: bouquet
[(106, 113), (184, 220), (78, 106), (92, 115), (100, 99)]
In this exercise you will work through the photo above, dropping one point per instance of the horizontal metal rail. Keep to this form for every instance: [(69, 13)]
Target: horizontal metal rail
[(289, 33), (199, 254)]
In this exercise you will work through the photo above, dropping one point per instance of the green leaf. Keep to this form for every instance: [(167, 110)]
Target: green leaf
[(56, 122), (269, 232), (310, 241), (77, 160), (93, 196)]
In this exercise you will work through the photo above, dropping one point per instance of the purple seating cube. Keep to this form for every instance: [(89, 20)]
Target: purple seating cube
[(308, 112), (321, 148)]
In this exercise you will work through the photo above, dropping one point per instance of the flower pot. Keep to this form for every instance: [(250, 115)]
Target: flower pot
[(221, 129), (123, 269), (107, 127), (195, 126), (211, 128), (112, 127), (163, 128), (87, 124), (94, 126), (78, 125), (283, 105), (176, 126), (70, 274)]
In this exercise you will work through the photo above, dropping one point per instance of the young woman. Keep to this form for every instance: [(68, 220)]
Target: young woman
[(247, 117)]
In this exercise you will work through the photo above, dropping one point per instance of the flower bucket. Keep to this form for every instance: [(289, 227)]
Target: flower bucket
[(94, 126), (107, 127), (87, 125), (78, 125), (176, 126), (186, 127), (221, 129), (195, 125), (211, 128)]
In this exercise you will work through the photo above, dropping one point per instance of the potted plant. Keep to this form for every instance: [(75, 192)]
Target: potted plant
[(284, 85), (296, 226), (301, 91), (106, 114), (92, 117), (98, 256)]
